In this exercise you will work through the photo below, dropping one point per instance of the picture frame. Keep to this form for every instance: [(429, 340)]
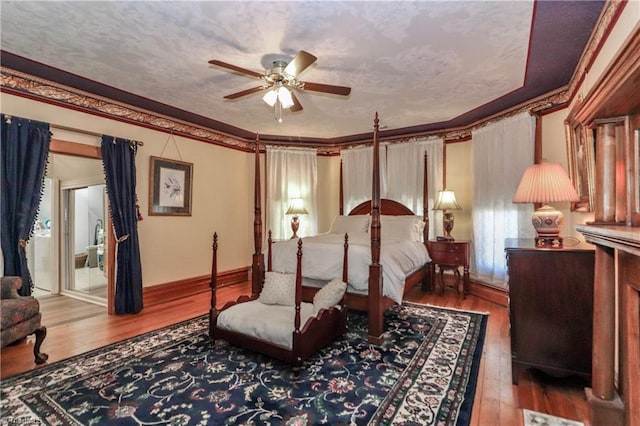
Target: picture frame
[(170, 187), (581, 161)]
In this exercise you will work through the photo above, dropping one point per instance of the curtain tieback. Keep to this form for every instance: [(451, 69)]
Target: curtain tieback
[(22, 243), (121, 239)]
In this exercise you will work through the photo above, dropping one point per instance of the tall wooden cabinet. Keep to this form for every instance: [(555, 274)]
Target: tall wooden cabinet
[(550, 308)]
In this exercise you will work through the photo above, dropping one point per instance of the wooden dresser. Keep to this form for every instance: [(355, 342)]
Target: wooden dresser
[(550, 308)]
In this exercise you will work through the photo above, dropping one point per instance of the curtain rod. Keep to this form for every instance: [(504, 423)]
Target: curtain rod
[(86, 132)]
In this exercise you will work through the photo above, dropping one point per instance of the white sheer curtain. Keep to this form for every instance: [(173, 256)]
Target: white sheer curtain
[(291, 173), (405, 172), (357, 172), (501, 153)]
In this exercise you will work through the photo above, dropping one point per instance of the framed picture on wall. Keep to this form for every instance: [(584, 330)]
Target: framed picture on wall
[(581, 160), (170, 187)]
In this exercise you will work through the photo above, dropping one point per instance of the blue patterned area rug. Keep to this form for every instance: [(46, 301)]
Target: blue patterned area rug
[(425, 373)]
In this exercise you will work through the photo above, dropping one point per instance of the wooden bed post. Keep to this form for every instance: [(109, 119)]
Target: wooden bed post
[(376, 312), (345, 269), (257, 268), (298, 299), (269, 248), (296, 342), (341, 191), (345, 259), (425, 197), (213, 313), (427, 281)]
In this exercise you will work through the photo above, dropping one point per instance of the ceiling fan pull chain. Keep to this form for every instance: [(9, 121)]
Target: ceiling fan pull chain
[(278, 110)]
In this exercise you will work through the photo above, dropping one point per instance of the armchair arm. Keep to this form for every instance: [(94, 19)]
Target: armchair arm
[(10, 287)]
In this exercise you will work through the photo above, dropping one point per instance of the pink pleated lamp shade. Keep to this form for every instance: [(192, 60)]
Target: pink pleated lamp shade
[(546, 183)]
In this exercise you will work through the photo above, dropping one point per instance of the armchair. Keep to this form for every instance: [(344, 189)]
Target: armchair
[(20, 317)]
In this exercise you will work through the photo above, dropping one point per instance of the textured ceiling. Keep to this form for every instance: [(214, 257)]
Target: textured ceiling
[(416, 63)]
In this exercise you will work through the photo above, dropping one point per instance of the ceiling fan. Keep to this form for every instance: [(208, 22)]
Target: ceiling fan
[(280, 79)]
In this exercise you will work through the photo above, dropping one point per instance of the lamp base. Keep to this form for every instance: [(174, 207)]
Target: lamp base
[(295, 224), (547, 221), (447, 225), (549, 242)]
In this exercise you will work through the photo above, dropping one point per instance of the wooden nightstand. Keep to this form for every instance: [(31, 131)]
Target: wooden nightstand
[(450, 255)]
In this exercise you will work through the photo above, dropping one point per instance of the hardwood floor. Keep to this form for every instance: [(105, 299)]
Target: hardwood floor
[(58, 310), (497, 401)]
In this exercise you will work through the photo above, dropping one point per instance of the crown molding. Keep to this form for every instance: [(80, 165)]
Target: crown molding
[(25, 85)]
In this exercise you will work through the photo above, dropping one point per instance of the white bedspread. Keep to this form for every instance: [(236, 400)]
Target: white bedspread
[(323, 255)]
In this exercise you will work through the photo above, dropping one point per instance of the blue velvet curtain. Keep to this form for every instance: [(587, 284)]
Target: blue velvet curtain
[(24, 150), (118, 156)]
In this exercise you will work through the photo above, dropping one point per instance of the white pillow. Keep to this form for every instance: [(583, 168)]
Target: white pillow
[(329, 295), (350, 224), (278, 289), (401, 227)]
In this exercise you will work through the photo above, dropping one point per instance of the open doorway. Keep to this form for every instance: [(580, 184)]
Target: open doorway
[(83, 244), (41, 248), (68, 254)]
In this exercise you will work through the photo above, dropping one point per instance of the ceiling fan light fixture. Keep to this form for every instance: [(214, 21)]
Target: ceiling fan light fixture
[(284, 95), (280, 80), (271, 97)]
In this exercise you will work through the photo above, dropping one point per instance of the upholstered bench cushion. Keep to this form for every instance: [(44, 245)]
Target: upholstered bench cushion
[(273, 323)]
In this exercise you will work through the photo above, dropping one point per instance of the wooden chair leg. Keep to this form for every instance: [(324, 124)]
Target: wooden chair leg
[(441, 280), (40, 357)]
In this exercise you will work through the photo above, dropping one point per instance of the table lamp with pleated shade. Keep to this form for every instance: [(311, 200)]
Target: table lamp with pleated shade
[(296, 208), (446, 202), (546, 183)]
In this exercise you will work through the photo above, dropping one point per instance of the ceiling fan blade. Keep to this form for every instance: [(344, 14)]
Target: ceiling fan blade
[(236, 68), (244, 92), (299, 63), (296, 103), (327, 88)]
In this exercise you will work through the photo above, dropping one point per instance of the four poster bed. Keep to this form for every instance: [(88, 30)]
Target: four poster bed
[(386, 279)]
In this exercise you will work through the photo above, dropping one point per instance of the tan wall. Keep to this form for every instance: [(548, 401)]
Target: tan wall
[(173, 248), (328, 191), (628, 20), (222, 202), (459, 178)]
